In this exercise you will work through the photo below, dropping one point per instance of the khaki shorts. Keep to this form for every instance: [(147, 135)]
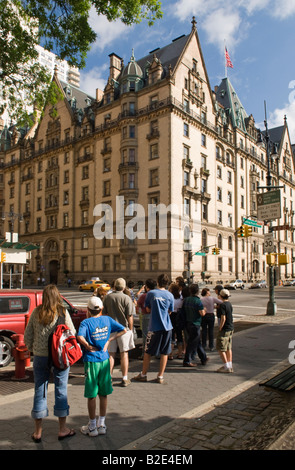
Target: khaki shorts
[(124, 342), (224, 341)]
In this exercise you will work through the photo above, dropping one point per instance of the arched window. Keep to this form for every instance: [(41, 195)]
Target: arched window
[(230, 243), (219, 241), (204, 238)]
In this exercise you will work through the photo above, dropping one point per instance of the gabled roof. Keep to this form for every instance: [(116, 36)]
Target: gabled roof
[(276, 134), (83, 99), (229, 100), (168, 55)]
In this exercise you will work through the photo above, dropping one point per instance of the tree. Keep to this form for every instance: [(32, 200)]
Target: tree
[(60, 26)]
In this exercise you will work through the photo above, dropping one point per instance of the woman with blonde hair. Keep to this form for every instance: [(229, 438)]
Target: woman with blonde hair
[(42, 323)]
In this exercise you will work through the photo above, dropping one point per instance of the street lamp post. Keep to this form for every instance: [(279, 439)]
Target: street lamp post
[(12, 216), (271, 308)]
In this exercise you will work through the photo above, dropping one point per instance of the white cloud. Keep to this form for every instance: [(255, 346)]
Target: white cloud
[(227, 20), (283, 9), (93, 79), (186, 8), (276, 119), (106, 31), (220, 26)]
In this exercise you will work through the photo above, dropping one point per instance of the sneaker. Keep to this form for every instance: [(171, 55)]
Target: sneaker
[(160, 380), (125, 382), (101, 430), (224, 370), (90, 432), (140, 378)]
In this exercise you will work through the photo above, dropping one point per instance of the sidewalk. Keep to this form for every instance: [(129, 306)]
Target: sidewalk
[(194, 410)]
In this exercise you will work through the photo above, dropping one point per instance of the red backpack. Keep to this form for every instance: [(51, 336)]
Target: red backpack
[(63, 348)]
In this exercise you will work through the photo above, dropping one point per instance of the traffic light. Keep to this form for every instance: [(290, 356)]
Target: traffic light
[(3, 257), (214, 251), (283, 258), (271, 258), (241, 231), (248, 231), (217, 251)]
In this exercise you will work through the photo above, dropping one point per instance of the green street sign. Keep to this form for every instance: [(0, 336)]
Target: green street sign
[(200, 254), (253, 223)]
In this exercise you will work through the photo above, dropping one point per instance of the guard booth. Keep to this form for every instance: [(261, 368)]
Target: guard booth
[(14, 253)]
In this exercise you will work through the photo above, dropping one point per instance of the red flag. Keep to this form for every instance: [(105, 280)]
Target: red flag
[(228, 61)]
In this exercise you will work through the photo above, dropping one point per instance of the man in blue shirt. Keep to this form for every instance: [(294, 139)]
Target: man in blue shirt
[(160, 303), (94, 336)]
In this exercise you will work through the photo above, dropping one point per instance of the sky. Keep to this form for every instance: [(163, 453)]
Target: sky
[(259, 36)]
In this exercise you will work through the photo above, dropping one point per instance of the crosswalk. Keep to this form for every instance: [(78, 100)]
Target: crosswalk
[(76, 298)]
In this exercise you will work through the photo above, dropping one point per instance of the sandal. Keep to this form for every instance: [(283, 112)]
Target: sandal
[(37, 440), (70, 434)]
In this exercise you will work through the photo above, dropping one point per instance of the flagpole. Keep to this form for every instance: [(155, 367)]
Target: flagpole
[(225, 67)]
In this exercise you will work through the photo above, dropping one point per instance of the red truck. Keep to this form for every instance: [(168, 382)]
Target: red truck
[(16, 306)]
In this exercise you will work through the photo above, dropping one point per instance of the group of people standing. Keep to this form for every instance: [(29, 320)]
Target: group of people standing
[(169, 313)]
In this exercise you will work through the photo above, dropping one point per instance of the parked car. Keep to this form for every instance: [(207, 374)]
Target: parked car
[(290, 282), (93, 284), (258, 285), (235, 284), (16, 306)]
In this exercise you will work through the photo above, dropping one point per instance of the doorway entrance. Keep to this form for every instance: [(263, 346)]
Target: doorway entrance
[(53, 271)]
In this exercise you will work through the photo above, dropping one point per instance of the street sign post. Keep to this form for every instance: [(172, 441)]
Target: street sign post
[(253, 223), (268, 243), (269, 205), (280, 227)]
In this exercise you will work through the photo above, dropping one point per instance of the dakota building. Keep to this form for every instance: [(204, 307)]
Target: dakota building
[(158, 134)]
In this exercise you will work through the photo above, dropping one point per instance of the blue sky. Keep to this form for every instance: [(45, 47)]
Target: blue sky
[(259, 35)]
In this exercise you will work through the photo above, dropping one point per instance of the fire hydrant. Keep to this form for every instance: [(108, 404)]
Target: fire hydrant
[(21, 356)]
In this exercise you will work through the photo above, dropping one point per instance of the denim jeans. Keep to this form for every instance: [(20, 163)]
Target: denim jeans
[(145, 328), (194, 345), (41, 378)]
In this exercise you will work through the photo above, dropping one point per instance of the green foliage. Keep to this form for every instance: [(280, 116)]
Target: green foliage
[(60, 26)]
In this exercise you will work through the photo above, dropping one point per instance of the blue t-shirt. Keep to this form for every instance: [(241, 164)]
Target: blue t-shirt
[(160, 302), (96, 331)]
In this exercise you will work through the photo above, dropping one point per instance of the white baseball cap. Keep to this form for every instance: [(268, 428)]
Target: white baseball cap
[(224, 293), (95, 303)]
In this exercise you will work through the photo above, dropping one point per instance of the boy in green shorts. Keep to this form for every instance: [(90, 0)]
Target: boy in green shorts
[(94, 336)]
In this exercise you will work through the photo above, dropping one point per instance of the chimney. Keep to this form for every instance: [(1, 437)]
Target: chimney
[(115, 66), (99, 94)]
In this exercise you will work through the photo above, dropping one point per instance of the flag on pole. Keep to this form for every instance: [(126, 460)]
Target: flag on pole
[(227, 60)]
